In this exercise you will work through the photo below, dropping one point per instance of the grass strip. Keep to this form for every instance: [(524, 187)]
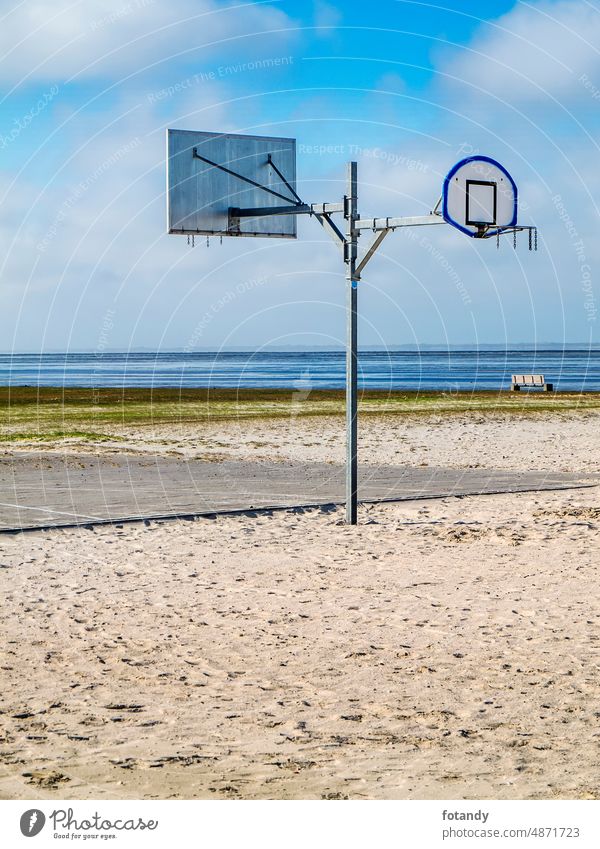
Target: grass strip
[(45, 413)]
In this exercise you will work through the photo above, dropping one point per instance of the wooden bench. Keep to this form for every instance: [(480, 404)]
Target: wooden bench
[(530, 380)]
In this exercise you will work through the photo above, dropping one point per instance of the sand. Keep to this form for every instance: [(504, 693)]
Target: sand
[(567, 442), (441, 649)]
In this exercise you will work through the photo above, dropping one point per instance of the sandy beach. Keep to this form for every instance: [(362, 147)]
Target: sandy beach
[(516, 442), (443, 648), (300, 421)]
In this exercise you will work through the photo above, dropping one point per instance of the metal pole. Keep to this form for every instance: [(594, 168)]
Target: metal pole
[(351, 251)]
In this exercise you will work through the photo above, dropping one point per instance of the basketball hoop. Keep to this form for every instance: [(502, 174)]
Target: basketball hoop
[(480, 198), (221, 184)]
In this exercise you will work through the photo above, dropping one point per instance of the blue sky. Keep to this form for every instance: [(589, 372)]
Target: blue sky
[(406, 88)]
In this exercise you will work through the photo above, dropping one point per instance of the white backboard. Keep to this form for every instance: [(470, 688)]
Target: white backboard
[(200, 195), (479, 197)]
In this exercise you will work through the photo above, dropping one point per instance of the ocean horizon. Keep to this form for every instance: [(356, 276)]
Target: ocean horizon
[(431, 369)]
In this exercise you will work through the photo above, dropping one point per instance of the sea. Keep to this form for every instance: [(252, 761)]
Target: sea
[(448, 370)]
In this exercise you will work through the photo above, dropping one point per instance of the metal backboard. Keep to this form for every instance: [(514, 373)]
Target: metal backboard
[(479, 197), (200, 195)]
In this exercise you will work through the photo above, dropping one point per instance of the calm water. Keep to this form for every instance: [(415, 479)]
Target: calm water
[(464, 370)]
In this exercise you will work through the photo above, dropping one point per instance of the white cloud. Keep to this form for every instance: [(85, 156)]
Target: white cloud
[(536, 51), (326, 17), (111, 38)]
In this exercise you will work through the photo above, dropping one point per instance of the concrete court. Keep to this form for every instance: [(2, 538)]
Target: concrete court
[(50, 489)]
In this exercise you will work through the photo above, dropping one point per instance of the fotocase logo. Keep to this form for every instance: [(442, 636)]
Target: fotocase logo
[(32, 822)]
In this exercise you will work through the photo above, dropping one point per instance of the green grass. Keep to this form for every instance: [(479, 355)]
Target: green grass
[(53, 435), (29, 413)]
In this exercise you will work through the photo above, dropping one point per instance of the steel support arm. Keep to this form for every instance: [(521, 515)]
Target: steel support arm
[(326, 208), (264, 211), (242, 177), (371, 250), (392, 223), (293, 209), (321, 211), (330, 228)]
